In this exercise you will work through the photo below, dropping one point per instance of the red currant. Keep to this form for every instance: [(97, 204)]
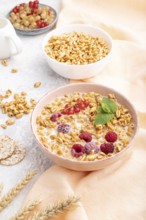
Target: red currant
[(35, 5), (42, 25), (22, 4), (82, 106), (64, 112), (38, 23), (68, 111), (76, 109), (71, 111), (86, 103), (46, 24), (34, 11), (67, 106), (79, 100), (30, 4), (16, 9)]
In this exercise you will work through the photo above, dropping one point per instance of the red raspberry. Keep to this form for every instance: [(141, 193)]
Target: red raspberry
[(86, 136), (77, 150), (91, 146), (63, 128), (55, 116), (111, 136), (107, 148)]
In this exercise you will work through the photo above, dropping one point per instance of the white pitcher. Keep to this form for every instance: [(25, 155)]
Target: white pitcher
[(10, 43)]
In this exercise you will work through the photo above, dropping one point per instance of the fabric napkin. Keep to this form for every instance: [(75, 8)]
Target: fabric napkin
[(117, 192)]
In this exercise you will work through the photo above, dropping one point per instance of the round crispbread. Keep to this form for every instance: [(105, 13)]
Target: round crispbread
[(16, 157), (7, 147)]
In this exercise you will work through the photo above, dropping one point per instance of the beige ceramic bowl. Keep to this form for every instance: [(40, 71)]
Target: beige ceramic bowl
[(83, 87), (78, 71)]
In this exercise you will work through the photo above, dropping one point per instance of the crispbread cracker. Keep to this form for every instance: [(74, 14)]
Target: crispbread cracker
[(7, 147), (15, 158)]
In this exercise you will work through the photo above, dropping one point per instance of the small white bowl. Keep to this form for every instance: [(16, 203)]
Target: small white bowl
[(78, 71), (83, 87)]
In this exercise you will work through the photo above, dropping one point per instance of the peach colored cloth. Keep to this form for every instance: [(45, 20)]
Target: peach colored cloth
[(119, 191)]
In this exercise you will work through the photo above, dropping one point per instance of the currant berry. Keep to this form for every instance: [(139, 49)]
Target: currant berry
[(42, 25), (79, 100), (46, 24), (30, 4), (76, 109), (86, 103), (38, 23)]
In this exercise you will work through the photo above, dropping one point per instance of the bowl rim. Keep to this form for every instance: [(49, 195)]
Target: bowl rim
[(38, 29), (84, 162), (75, 25)]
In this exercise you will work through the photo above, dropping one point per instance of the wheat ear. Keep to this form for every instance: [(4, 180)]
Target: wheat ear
[(23, 213), (8, 198), (57, 208)]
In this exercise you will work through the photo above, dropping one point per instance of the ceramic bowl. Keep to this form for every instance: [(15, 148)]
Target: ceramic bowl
[(78, 71), (83, 87)]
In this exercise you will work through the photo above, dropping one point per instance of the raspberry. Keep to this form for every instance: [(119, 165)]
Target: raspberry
[(107, 148), (111, 136), (77, 150), (91, 146), (86, 136), (55, 116), (63, 128)]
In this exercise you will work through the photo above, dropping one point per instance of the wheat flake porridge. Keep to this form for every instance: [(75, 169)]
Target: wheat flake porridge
[(85, 126)]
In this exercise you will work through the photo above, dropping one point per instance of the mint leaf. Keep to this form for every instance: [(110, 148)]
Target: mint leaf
[(108, 105), (99, 109), (103, 118), (105, 107)]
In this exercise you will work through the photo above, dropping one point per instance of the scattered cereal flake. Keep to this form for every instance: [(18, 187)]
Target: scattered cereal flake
[(4, 62), (4, 126), (10, 121), (23, 93), (14, 70), (16, 107), (37, 84)]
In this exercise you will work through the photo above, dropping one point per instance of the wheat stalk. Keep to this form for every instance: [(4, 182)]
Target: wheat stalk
[(57, 208), (23, 213), (8, 198)]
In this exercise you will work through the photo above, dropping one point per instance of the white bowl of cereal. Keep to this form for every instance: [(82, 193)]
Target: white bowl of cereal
[(77, 51), (84, 127)]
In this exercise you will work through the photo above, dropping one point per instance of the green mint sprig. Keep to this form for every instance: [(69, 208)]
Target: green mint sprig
[(106, 111)]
